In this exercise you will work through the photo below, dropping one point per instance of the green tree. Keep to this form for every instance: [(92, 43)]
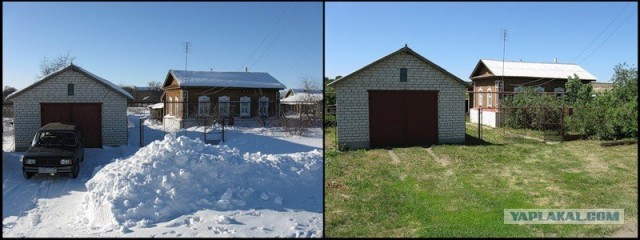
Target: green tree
[(577, 91)]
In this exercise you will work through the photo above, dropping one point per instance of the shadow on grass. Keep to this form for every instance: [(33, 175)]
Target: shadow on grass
[(470, 140)]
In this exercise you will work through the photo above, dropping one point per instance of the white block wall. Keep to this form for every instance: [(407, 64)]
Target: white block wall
[(54, 90), (488, 118), (352, 98)]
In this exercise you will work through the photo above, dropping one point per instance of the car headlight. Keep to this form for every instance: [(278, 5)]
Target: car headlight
[(30, 161), (65, 161)]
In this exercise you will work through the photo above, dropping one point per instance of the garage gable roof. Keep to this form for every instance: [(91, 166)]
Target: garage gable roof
[(405, 49), (86, 73)]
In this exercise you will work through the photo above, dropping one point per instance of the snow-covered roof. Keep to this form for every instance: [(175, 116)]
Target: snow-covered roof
[(536, 70), (226, 79), (302, 98), (157, 106), (297, 91), (75, 67)]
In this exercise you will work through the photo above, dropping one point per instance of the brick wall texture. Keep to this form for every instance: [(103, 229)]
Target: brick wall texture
[(353, 106), (54, 90)]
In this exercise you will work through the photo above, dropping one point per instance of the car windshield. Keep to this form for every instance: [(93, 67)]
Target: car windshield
[(55, 138)]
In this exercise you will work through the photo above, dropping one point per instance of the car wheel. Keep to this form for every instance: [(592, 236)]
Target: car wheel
[(27, 175), (76, 171)]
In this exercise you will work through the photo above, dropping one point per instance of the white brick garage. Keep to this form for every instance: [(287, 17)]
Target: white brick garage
[(352, 96), (71, 88)]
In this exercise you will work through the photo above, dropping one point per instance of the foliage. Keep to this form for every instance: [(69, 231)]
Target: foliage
[(48, 66), (532, 110), (577, 91), (611, 114), (329, 100)]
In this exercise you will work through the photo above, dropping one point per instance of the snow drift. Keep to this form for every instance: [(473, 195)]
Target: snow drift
[(177, 176)]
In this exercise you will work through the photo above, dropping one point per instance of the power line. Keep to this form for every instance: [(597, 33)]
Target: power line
[(605, 40), (266, 36), (603, 31), (277, 36), (303, 56)]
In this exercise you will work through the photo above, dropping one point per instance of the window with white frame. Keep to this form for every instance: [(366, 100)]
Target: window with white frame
[(175, 106), (489, 98), (539, 89), (204, 106), (499, 87), (518, 89), (185, 102), (480, 97), (263, 106), (223, 106), (245, 106)]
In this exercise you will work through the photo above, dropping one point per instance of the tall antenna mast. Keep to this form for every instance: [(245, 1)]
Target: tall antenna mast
[(504, 46), (186, 54)]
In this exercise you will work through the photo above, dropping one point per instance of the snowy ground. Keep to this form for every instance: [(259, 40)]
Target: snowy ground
[(261, 182)]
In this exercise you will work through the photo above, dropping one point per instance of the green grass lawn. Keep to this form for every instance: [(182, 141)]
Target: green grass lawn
[(464, 191)]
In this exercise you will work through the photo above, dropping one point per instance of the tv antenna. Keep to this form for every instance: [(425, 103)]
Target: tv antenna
[(186, 54), (504, 47)]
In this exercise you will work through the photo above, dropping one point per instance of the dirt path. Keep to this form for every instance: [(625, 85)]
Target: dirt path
[(443, 161), (394, 158), (629, 230)]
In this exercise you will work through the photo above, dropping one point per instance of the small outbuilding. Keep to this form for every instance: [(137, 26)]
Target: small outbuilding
[(72, 95), (402, 99)]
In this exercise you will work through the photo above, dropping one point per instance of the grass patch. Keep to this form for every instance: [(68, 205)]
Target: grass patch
[(368, 195)]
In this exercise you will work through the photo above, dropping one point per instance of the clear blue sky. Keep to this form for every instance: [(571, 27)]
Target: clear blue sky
[(456, 35), (135, 43)]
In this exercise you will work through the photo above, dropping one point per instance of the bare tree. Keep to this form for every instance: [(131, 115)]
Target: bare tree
[(48, 66), (310, 102), (308, 105), (7, 90), (155, 86)]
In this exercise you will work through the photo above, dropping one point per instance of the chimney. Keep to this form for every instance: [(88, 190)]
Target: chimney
[(246, 69), (555, 60)]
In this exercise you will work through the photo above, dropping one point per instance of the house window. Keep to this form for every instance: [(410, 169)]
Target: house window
[(499, 90), (518, 89), (245, 106), (263, 106), (278, 103), (480, 97), (185, 102), (175, 106), (539, 89), (70, 90), (489, 98), (204, 104), (223, 106), (403, 74), (559, 91)]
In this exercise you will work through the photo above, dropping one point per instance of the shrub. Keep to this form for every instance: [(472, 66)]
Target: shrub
[(532, 110)]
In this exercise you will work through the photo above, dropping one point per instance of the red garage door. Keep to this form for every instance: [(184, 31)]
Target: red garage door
[(86, 115), (403, 118)]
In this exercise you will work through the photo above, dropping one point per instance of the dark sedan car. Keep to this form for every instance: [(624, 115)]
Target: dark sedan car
[(56, 148)]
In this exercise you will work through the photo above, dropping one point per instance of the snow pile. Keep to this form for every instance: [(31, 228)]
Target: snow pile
[(178, 176)]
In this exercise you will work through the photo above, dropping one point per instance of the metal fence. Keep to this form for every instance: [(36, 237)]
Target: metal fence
[(527, 122), (209, 130), (208, 121), (7, 109)]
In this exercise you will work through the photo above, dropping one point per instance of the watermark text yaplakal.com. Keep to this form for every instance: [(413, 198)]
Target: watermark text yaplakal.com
[(564, 216)]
